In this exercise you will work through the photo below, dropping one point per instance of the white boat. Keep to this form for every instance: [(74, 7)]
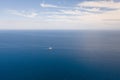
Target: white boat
[(50, 48)]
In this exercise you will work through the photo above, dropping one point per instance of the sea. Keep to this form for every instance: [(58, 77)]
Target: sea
[(59, 55)]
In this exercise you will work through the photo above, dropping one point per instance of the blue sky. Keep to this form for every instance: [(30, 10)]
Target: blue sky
[(60, 14)]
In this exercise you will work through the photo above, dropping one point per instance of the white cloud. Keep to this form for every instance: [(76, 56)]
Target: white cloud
[(74, 12), (28, 14), (78, 20), (71, 18), (92, 9), (48, 5), (71, 12), (100, 4)]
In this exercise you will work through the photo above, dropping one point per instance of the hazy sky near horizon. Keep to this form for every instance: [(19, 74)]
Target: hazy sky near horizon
[(60, 14)]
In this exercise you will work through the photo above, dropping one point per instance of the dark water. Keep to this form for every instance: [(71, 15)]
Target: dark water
[(76, 55)]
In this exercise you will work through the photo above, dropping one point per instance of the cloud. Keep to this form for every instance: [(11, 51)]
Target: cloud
[(74, 12), (90, 21), (100, 4), (71, 12), (23, 13), (92, 9), (82, 17), (48, 5)]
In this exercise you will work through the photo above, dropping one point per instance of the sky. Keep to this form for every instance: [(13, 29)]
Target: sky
[(60, 14)]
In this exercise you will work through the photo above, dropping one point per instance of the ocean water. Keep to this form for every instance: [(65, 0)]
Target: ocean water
[(75, 55)]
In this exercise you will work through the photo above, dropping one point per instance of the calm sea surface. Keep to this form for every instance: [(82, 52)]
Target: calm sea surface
[(75, 55)]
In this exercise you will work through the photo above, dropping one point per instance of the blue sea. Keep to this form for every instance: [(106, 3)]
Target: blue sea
[(75, 55)]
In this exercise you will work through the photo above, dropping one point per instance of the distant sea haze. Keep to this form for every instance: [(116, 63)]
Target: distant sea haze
[(59, 55)]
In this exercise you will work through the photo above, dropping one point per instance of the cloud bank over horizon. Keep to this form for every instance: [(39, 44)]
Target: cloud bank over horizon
[(69, 14)]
